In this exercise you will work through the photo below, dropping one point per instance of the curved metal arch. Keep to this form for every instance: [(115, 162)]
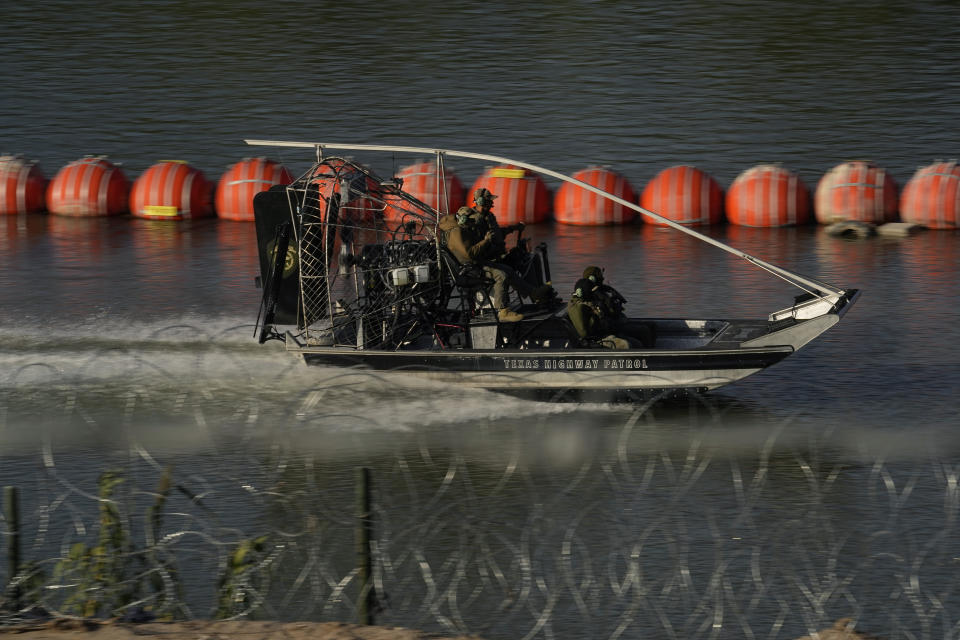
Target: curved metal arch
[(810, 285)]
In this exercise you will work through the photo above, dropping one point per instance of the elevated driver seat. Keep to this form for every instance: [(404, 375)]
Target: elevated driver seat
[(472, 285)]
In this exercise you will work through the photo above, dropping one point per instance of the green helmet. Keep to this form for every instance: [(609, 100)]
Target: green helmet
[(583, 289), (463, 215), (483, 197), (594, 273)]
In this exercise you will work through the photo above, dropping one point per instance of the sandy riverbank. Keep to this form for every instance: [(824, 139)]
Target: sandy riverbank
[(216, 630), (68, 629)]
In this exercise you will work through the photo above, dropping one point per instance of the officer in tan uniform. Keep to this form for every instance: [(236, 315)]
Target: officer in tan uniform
[(470, 241), (484, 220)]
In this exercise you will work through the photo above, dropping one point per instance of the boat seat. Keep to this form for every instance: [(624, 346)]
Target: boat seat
[(473, 284)]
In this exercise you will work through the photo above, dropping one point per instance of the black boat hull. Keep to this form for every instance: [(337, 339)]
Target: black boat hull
[(634, 369)]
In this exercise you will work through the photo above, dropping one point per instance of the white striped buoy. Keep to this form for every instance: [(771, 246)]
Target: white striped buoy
[(171, 190), (22, 186), (244, 180), (420, 181), (88, 187), (684, 194), (932, 197), (768, 196), (575, 205), (858, 191)]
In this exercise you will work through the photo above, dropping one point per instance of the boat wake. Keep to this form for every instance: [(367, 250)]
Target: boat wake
[(195, 382), (199, 386), (203, 384)]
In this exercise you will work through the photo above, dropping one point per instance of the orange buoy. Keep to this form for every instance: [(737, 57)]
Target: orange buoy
[(22, 186), (90, 186), (932, 197), (768, 196), (242, 181), (685, 195), (420, 181), (522, 195), (171, 190), (358, 205), (576, 205), (858, 191)]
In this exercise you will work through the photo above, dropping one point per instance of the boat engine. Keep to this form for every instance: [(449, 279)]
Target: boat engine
[(398, 284)]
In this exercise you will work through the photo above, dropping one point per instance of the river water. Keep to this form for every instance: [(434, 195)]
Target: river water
[(823, 487)]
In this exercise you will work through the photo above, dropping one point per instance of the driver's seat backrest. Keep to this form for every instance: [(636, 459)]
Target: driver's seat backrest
[(469, 278)]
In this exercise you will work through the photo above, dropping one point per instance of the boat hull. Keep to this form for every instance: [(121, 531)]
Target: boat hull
[(587, 369)]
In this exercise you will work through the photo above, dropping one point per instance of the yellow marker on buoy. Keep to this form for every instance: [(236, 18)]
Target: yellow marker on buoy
[(523, 195), (500, 172), (160, 210)]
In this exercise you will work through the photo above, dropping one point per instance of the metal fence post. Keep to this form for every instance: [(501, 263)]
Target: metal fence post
[(11, 512), (364, 562)]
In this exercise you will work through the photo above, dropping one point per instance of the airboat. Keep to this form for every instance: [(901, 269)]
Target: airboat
[(355, 273)]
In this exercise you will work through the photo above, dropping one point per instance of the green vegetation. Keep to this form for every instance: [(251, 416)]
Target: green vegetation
[(100, 578), (110, 577), (238, 582)]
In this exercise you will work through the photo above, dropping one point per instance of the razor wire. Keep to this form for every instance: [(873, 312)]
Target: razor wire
[(561, 530)]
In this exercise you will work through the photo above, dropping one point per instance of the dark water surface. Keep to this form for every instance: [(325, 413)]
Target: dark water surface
[(636, 86), (832, 475)]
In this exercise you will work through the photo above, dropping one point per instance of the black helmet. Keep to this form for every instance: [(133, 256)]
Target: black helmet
[(584, 289), (594, 273), (483, 196)]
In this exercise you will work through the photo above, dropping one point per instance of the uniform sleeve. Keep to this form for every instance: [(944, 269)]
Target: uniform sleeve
[(476, 251), (578, 319), (457, 247)]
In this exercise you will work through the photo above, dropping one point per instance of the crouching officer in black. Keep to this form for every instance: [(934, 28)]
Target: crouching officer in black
[(611, 303), (591, 322)]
